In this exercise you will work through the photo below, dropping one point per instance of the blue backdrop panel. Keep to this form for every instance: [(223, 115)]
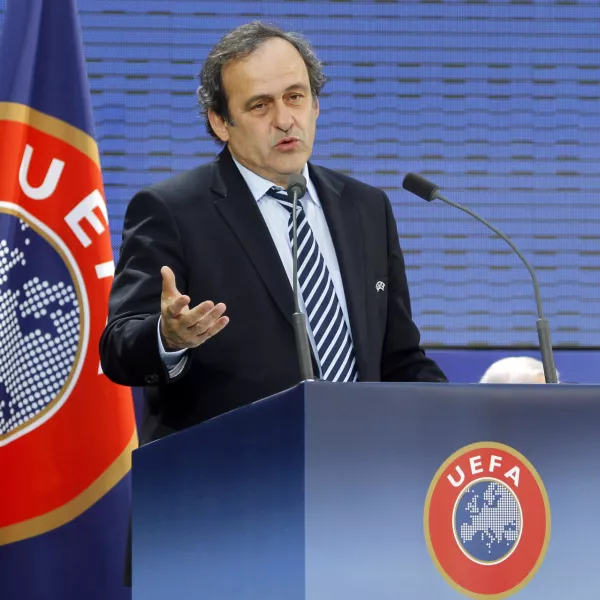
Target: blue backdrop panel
[(497, 101)]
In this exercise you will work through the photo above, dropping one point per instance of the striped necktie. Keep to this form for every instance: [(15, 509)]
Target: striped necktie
[(330, 332)]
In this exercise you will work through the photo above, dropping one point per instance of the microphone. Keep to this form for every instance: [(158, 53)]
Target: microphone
[(296, 189), (429, 191)]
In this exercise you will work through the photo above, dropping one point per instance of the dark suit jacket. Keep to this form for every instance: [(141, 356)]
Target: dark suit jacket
[(207, 227)]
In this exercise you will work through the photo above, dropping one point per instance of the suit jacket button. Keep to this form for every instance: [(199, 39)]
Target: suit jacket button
[(151, 379)]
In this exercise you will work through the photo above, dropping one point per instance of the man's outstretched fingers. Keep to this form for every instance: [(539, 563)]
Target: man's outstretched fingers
[(218, 326), (203, 316), (174, 308)]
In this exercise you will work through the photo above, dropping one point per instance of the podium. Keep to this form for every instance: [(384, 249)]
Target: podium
[(376, 491)]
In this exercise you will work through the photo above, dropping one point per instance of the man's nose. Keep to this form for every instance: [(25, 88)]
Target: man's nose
[(283, 118)]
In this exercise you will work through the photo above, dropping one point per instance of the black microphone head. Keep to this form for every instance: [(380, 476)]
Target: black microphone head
[(416, 184), (297, 182)]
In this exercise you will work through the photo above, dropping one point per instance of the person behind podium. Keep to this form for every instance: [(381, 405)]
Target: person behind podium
[(201, 303), (515, 369)]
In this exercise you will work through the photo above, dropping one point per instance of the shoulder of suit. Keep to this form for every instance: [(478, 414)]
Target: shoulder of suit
[(185, 184), (350, 183)]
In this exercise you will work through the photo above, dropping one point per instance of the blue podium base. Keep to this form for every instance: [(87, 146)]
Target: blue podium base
[(319, 492)]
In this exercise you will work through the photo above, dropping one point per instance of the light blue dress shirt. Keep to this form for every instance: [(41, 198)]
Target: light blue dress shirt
[(277, 217)]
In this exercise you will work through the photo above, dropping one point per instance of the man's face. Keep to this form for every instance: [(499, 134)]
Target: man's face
[(273, 111)]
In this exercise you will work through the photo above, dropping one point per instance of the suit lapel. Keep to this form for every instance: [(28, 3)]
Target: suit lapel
[(240, 211), (344, 225)]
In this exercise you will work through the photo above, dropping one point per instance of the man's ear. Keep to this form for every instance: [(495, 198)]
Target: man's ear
[(316, 103), (218, 125)]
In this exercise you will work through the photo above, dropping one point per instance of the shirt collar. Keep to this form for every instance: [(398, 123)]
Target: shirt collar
[(259, 185)]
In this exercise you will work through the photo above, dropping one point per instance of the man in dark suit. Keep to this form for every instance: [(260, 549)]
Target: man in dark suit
[(201, 304)]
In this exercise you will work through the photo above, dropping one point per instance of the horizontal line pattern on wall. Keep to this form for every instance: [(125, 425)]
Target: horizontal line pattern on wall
[(497, 102)]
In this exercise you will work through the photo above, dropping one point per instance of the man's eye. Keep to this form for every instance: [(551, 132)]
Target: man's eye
[(295, 97), (258, 106)]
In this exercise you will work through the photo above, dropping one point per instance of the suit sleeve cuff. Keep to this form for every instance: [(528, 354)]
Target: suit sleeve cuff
[(173, 361)]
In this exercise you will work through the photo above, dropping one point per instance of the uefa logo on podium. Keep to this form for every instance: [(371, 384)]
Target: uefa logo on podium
[(487, 521)]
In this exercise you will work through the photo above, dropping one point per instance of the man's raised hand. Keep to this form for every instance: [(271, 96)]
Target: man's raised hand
[(184, 327)]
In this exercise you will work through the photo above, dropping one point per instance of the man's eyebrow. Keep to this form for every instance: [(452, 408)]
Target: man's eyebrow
[(255, 98)]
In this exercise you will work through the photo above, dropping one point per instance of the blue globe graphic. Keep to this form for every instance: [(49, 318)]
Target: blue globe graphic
[(39, 324), (488, 521)]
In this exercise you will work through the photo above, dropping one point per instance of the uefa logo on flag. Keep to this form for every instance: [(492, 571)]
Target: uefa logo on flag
[(52, 221), (487, 520), (42, 334), (57, 409)]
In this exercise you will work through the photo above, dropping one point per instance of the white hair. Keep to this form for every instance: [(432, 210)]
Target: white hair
[(515, 369)]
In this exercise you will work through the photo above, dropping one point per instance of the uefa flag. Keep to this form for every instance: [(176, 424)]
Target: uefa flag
[(66, 431)]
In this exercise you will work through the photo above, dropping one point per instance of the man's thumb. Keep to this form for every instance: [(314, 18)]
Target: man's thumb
[(169, 287)]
